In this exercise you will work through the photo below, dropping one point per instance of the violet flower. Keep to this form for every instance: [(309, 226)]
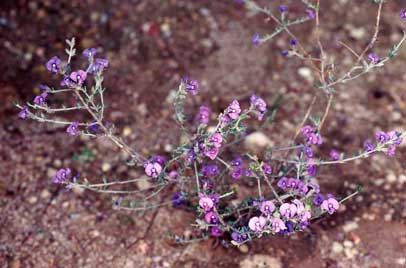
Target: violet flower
[(334, 155), (283, 8), (255, 39), (257, 224), (210, 170), (61, 175), (23, 113), (267, 169), (215, 231), (204, 115), (283, 183), (158, 159), (234, 110), (318, 199), (236, 172), (73, 129), (40, 100), (306, 130), (178, 199), (238, 237), (310, 13), (89, 52), (267, 207), (382, 137), (260, 106), (373, 58), (173, 175), (308, 151), (369, 146), (78, 77), (403, 14), (192, 87), (53, 64), (391, 150), (215, 198), (153, 169), (331, 205)]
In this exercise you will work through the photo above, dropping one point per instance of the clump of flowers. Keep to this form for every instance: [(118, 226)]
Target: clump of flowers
[(204, 172)]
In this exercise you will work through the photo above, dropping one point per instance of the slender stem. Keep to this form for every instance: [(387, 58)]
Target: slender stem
[(197, 177)]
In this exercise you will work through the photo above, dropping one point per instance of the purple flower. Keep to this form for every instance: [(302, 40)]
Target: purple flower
[(293, 42), (204, 115), (255, 39), (331, 205), (43, 87), (93, 127), (234, 110), (206, 203), (23, 113), (289, 228), (403, 14), (305, 216), (192, 87), (153, 169), (53, 64), (308, 151), (173, 175), (66, 82), (259, 104), (211, 152), (210, 170), (238, 237), (267, 207), (306, 130), (292, 183), (369, 146), (391, 150), (310, 13), (211, 217), (158, 159), (257, 224), (313, 138), (41, 99), (283, 9), (78, 77), (334, 155), (89, 52), (178, 198), (236, 162), (395, 137), (311, 169), (215, 231), (285, 53), (382, 137), (373, 58), (215, 198), (99, 64), (236, 172), (318, 199), (61, 176), (283, 183), (216, 139), (299, 205), (315, 187), (278, 225), (267, 169), (224, 120), (288, 210), (73, 129)]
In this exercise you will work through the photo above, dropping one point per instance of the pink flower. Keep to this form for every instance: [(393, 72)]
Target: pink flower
[(288, 210), (216, 139), (331, 205), (257, 224), (211, 153), (306, 130), (153, 169), (234, 110), (278, 225), (267, 207), (206, 203), (173, 175)]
